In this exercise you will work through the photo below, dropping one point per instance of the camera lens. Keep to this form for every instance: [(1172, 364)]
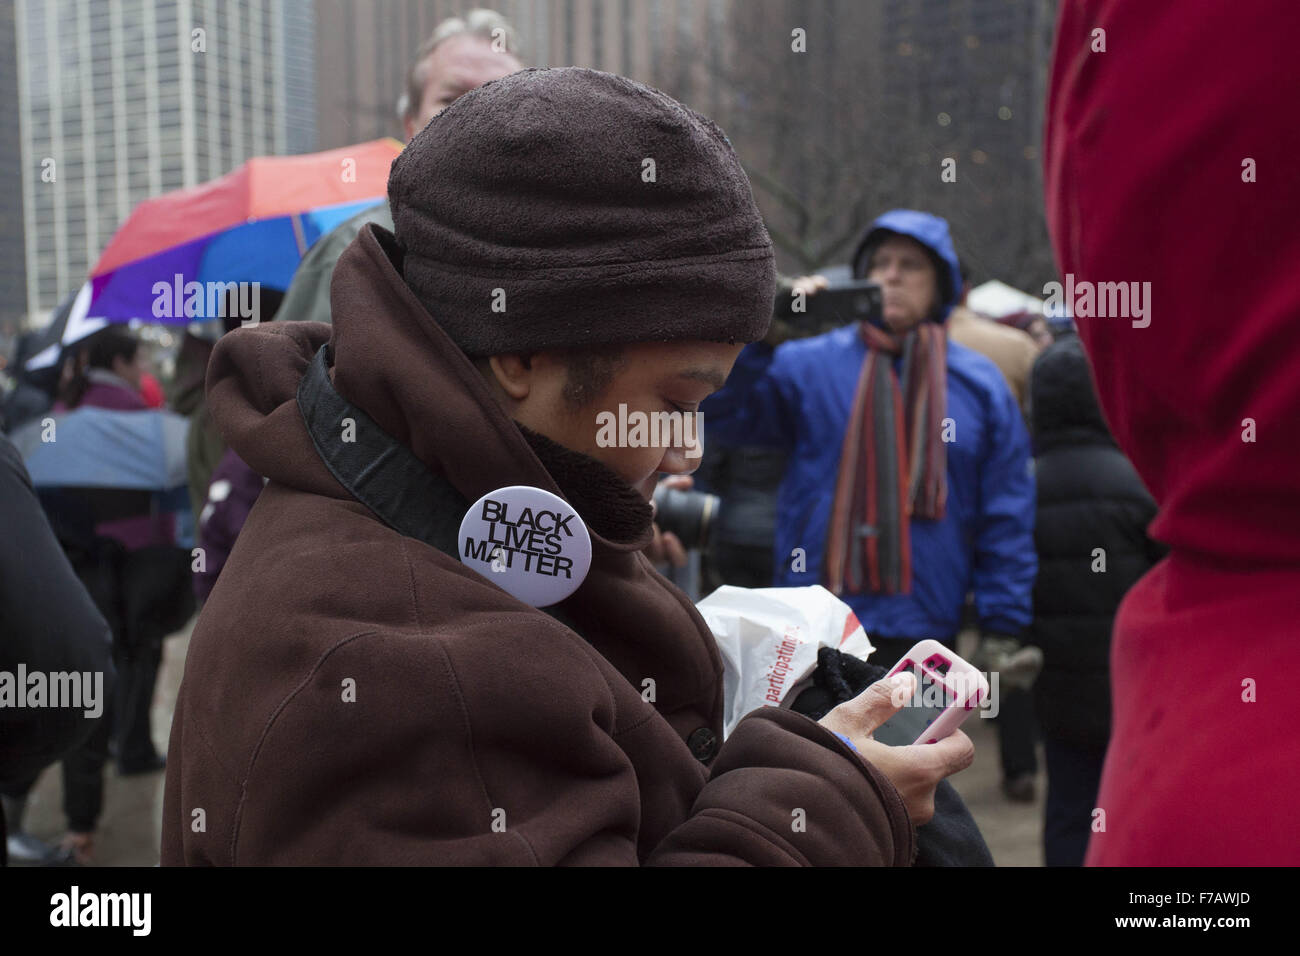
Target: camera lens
[(687, 514)]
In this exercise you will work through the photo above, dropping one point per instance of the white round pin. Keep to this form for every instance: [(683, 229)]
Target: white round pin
[(529, 541)]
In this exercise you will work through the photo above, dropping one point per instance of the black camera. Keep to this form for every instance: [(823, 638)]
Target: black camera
[(856, 301), (687, 514)]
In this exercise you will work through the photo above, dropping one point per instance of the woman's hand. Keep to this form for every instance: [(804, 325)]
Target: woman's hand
[(914, 771), (810, 285), (666, 546)]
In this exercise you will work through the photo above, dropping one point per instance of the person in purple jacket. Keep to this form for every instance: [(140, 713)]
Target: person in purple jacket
[(135, 574), (231, 496), (106, 372)]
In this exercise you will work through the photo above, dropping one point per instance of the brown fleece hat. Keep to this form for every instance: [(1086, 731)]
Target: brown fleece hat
[(557, 208)]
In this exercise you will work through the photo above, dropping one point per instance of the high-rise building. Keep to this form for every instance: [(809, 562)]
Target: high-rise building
[(363, 50), (120, 100), (13, 276), (838, 108)]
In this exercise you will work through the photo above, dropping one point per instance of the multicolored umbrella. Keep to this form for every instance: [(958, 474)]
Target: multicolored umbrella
[(92, 447), (101, 464), (69, 323), (167, 260)]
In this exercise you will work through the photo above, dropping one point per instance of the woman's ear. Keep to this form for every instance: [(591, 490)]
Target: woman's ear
[(514, 373)]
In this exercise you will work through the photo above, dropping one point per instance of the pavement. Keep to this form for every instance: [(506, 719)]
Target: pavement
[(130, 825), (132, 819)]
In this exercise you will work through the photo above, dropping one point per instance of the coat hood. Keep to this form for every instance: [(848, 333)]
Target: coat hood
[(1156, 175), (395, 363), (1201, 391), (931, 232), (1062, 400)]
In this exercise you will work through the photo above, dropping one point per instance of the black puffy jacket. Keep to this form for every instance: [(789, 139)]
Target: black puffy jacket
[(1093, 512), (48, 624)]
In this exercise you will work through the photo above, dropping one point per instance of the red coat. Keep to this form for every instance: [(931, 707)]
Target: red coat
[(1150, 149)]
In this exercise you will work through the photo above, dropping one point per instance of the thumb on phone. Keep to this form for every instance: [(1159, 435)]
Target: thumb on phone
[(860, 716), (887, 697)]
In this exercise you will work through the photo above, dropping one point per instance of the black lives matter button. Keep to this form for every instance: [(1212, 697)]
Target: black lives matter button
[(529, 541)]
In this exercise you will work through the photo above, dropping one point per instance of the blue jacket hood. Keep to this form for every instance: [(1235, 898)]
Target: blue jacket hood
[(931, 232)]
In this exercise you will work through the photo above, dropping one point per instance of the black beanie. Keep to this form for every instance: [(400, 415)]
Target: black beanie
[(560, 208)]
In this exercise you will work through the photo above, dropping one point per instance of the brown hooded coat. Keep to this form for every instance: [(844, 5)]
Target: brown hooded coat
[(483, 731)]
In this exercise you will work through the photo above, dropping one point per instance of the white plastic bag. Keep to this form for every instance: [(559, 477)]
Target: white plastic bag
[(769, 639)]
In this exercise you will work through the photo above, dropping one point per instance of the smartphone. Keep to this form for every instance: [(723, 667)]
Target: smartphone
[(948, 690), (856, 301)]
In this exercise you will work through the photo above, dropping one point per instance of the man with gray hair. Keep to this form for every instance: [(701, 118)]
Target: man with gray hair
[(461, 54)]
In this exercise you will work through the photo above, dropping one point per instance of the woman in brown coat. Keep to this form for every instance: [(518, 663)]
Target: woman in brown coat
[(354, 692)]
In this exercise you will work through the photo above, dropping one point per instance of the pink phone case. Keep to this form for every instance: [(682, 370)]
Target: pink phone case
[(963, 686)]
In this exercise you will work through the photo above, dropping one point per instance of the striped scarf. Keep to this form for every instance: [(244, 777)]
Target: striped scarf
[(893, 466)]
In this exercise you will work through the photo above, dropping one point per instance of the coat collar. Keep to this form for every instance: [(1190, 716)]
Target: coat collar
[(395, 362)]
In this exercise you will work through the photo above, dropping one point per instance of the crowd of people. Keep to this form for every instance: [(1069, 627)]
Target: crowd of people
[(354, 694)]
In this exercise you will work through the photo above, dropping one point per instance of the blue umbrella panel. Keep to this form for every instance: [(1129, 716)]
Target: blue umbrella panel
[(104, 448)]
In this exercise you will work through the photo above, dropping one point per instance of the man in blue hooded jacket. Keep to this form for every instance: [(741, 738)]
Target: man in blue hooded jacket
[(909, 483)]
